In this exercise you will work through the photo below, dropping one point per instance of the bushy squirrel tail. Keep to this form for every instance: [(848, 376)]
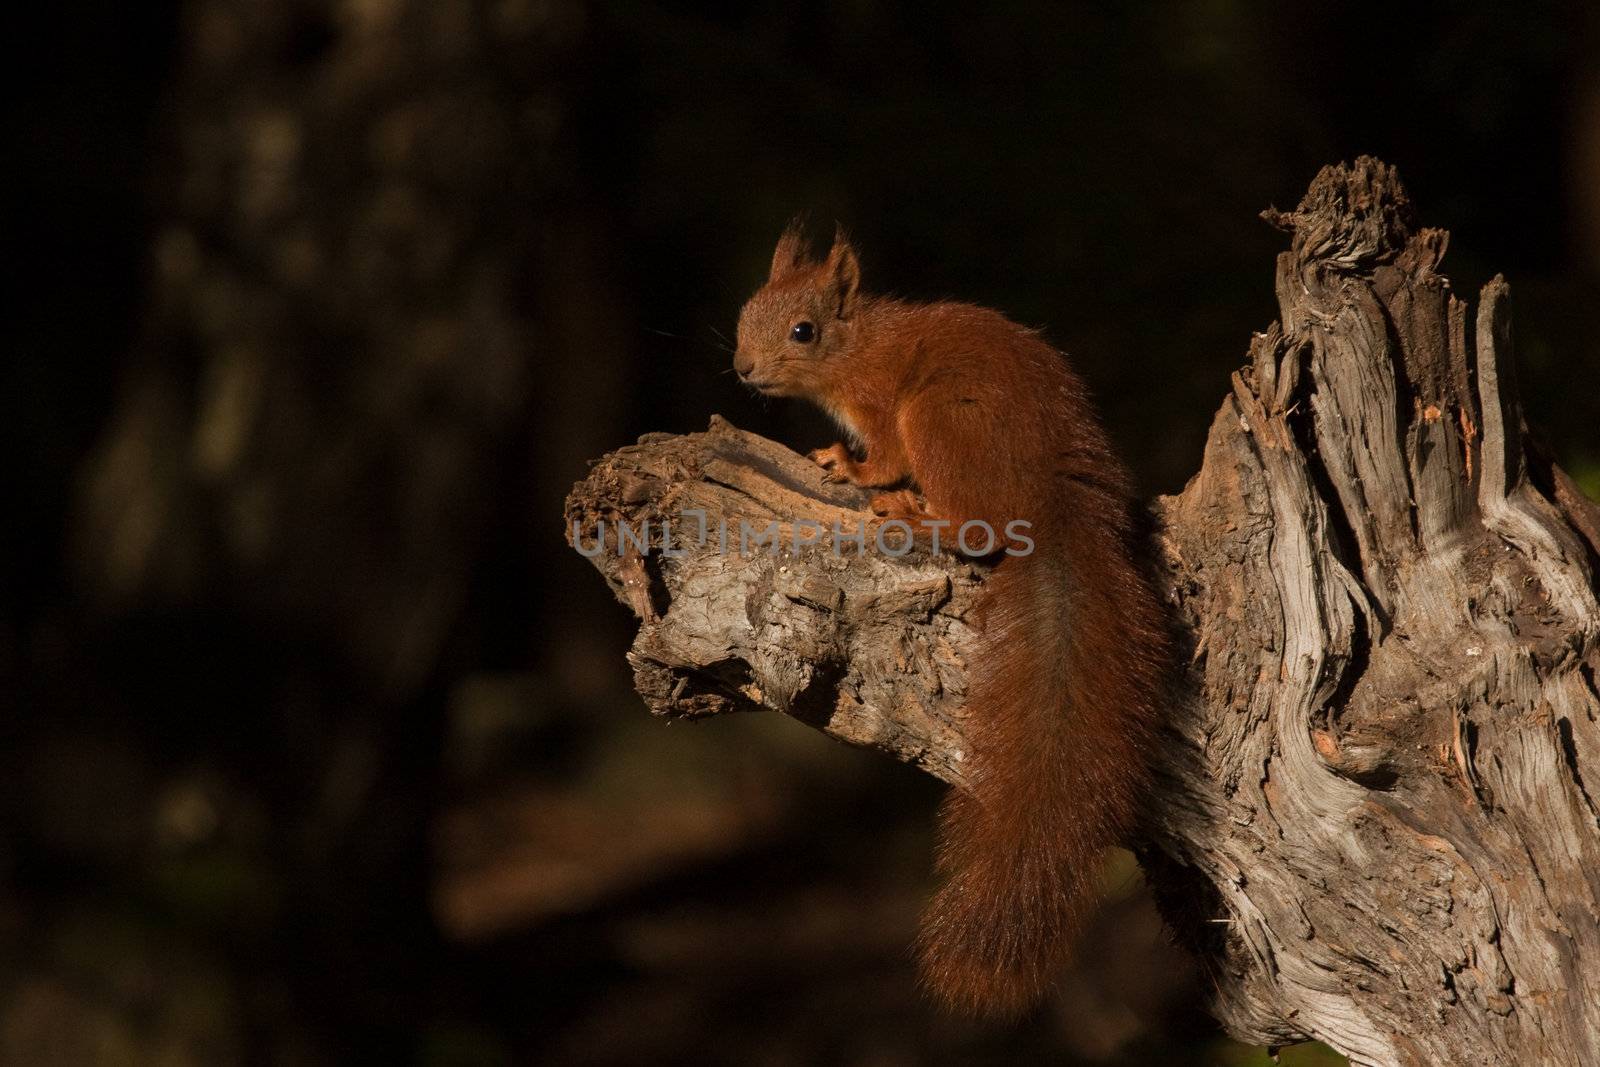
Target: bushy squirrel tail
[(1063, 703)]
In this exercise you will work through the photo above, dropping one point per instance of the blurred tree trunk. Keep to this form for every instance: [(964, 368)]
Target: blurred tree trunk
[(1375, 816), (328, 430)]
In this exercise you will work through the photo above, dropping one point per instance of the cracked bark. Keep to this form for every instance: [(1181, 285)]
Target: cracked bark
[(1375, 820)]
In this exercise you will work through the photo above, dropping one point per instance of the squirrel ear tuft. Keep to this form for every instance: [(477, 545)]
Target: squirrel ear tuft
[(791, 254), (843, 275)]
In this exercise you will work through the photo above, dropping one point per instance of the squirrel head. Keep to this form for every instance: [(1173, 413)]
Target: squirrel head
[(796, 328)]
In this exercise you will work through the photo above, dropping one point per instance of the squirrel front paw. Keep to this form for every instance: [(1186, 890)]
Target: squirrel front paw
[(835, 461)]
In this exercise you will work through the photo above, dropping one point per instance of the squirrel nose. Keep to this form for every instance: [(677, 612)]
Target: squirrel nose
[(743, 364)]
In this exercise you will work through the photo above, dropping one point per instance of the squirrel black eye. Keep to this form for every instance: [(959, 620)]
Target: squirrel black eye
[(804, 332)]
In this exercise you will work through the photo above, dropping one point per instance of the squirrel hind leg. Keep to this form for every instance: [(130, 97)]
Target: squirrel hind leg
[(901, 504)]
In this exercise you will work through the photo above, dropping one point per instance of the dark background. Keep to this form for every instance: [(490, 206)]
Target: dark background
[(319, 745)]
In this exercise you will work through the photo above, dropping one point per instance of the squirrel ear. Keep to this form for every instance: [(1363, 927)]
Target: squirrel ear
[(791, 254), (843, 275)]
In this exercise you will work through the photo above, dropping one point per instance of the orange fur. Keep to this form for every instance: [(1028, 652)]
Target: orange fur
[(990, 423)]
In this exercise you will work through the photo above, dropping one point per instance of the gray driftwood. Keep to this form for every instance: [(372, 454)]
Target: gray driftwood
[(1376, 815)]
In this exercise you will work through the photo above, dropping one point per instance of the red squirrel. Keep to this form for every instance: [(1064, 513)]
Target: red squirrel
[(989, 422)]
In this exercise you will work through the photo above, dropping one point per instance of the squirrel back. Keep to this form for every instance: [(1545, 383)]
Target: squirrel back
[(1065, 688)]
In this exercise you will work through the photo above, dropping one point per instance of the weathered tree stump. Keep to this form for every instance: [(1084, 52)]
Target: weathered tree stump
[(1375, 817)]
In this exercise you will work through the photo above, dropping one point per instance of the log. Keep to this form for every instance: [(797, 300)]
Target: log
[(1376, 814)]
